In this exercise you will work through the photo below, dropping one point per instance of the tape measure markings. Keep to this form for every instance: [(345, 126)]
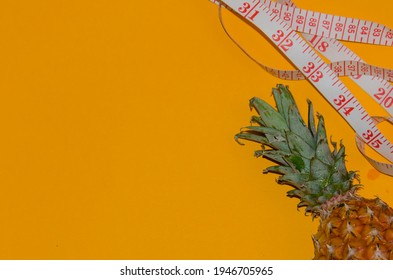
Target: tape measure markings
[(322, 48), (377, 85), (351, 68), (336, 94), (346, 102), (336, 26), (382, 167)]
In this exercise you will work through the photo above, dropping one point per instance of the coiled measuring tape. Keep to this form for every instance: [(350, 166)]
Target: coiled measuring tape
[(281, 20)]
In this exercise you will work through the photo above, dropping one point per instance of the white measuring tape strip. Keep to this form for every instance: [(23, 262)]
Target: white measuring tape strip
[(279, 23), (341, 68), (382, 167)]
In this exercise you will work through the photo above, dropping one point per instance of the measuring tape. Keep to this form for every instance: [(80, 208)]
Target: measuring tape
[(281, 20), (341, 68)]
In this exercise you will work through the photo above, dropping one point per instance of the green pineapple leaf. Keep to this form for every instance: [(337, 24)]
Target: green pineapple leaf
[(301, 151)]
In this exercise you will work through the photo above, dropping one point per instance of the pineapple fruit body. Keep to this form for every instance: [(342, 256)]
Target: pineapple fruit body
[(351, 226), (355, 228)]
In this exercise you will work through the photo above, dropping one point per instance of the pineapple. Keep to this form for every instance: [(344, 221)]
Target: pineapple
[(351, 226)]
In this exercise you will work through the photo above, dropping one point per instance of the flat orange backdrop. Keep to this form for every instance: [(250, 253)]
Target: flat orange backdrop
[(117, 121)]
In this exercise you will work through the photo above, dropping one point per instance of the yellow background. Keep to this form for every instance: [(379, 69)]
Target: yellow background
[(117, 121)]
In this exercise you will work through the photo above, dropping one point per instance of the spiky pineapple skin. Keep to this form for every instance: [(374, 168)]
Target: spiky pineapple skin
[(355, 228), (351, 226)]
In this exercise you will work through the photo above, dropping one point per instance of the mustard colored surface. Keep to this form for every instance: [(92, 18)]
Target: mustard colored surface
[(116, 132)]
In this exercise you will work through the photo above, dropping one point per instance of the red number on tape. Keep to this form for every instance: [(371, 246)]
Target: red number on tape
[(317, 76), (326, 24), (246, 7), (339, 26), (287, 16), (377, 32), (368, 134), (376, 143), (351, 28), (381, 92), (300, 19), (309, 67), (340, 100), (286, 45), (277, 37), (348, 110), (312, 22)]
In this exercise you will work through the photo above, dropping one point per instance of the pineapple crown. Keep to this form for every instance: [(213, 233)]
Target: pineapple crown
[(301, 151)]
